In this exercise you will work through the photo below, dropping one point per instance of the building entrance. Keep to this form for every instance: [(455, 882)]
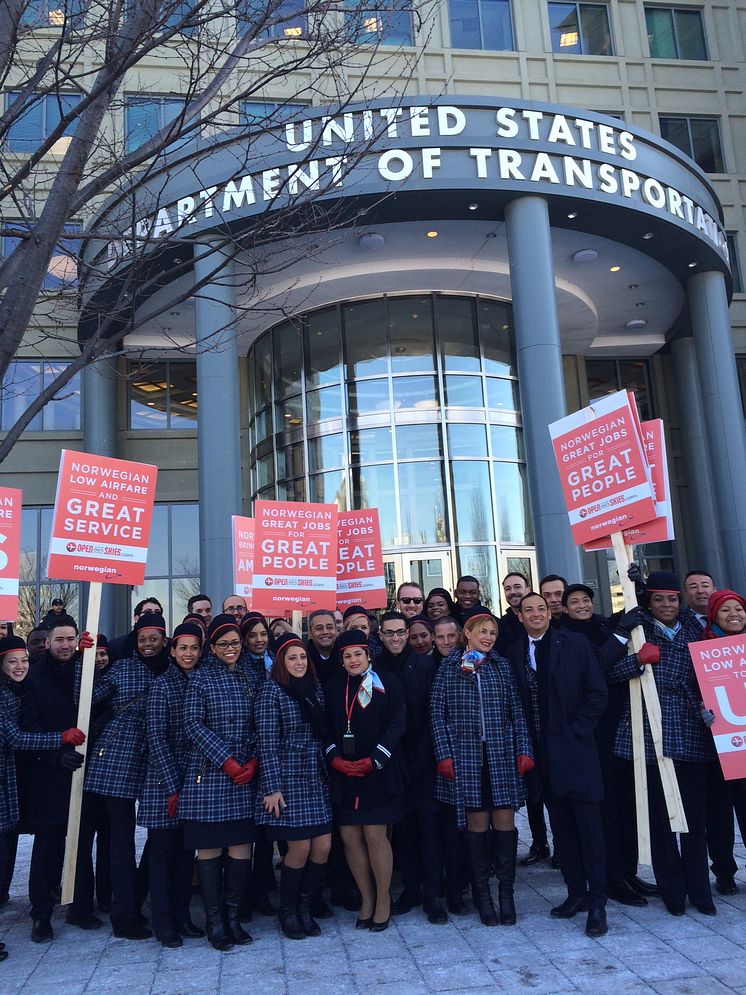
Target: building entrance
[(427, 568)]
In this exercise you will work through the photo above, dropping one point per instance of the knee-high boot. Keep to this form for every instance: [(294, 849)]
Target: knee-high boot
[(290, 881), (506, 849), (210, 874), (312, 877), (479, 861), (235, 878)]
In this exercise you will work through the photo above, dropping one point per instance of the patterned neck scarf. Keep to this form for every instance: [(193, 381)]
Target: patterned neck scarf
[(471, 661), (666, 632), (370, 682)]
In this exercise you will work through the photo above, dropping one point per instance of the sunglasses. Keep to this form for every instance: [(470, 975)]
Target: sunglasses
[(411, 601)]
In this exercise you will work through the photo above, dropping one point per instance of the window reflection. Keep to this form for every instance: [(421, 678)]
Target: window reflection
[(467, 440), (364, 326), (371, 445), (464, 392), (422, 498), (367, 396), (322, 348), (511, 501), (329, 488), (288, 358), (459, 339), (373, 487), (415, 392), (471, 495), (418, 441), (411, 334)]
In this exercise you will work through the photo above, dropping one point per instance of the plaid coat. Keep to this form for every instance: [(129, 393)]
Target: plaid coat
[(11, 739), (290, 760), (456, 729), (167, 747), (219, 724), (116, 765), (685, 736)]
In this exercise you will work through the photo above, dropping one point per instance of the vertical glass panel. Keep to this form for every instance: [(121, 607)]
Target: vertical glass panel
[(495, 327), (563, 24), (601, 377), (659, 22), (465, 24), (594, 20), (158, 565), (28, 130), (45, 534), (507, 442), (459, 341), (262, 426), (690, 34), (389, 578), (148, 396), (418, 441), (158, 589), (325, 452), (291, 490), (676, 131), (371, 445), (387, 22), (27, 610), (262, 364), (467, 440), (288, 358), (497, 30), (63, 413), (367, 396), (323, 404), (521, 565), (373, 487), (633, 376), (428, 572), (365, 338), (329, 488), (323, 364), (415, 392), (184, 541), (511, 500), (21, 384), (265, 471), (289, 414), (706, 144), (481, 562), (411, 334), (464, 392), (291, 461), (422, 498), (182, 378), (735, 263), (502, 395), (62, 271), (472, 502), (182, 589), (29, 544)]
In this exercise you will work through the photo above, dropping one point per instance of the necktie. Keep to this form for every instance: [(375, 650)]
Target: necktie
[(532, 653)]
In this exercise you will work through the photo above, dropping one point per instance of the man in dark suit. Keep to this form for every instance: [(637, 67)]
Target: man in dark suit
[(564, 694)]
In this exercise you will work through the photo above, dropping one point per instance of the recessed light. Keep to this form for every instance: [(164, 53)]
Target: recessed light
[(504, 328), (371, 240), (649, 234), (572, 215), (473, 207), (632, 286), (432, 234), (640, 304), (585, 256), (692, 265), (635, 323), (614, 269)]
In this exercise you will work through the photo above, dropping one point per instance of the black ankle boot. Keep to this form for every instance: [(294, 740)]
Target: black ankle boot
[(235, 877), (290, 881), (210, 874), (479, 861), (313, 875), (506, 848)]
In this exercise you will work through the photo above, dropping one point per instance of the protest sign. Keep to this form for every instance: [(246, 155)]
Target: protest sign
[(101, 522), (295, 556), (243, 557), (720, 666), (360, 579), (10, 551), (602, 467)]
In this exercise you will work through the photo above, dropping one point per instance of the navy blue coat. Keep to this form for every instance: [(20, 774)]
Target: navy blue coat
[(219, 723), (291, 761)]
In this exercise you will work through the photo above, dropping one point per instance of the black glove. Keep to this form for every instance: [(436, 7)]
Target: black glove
[(71, 760), (634, 574), (629, 621)]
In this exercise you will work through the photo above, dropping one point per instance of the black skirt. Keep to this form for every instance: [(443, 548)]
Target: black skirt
[(296, 832), (217, 835), (485, 786), (382, 815)]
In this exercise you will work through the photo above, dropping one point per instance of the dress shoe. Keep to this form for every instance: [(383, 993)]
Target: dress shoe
[(379, 927), (129, 929), (319, 907), (596, 923), (625, 894), (706, 909), (83, 921), (405, 903), (41, 931), (190, 931), (535, 854), (570, 907), (170, 940), (643, 888), (726, 886), (675, 910), (363, 923), (347, 900), (433, 909), (457, 906)]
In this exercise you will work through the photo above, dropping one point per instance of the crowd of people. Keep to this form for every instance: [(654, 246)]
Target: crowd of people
[(401, 741)]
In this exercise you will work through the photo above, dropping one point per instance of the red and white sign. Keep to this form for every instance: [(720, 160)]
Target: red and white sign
[(295, 556), (243, 557), (102, 516), (720, 666), (10, 552), (605, 477), (660, 529), (360, 579)]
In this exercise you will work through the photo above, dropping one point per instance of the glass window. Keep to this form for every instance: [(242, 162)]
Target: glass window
[(291, 490), (497, 339), (373, 487), (44, 114), (512, 504), (62, 270), (507, 442), (459, 339), (411, 334), (262, 367), (145, 116), (36, 591), (291, 461), (50, 13), (735, 262), (467, 440), (364, 326), (464, 392), (262, 426), (580, 28), (367, 396), (269, 19), (323, 404), (288, 358), (418, 441), (482, 24), (605, 376), (741, 369), (422, 498), (502, 395), (472, 501), (172, 574), (24, 381), (265, 471), (266, 113), (176, 14), (633, 375), (325, 452), (62, 414), (329, 488), (323, 363), (601, 376), (415, 392), (675, 34), (481, 562), (371, 445), (384, 22), (697, 137), (163, 395), (157, 565)]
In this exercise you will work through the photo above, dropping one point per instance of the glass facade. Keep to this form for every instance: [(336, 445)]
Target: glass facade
[(408, 404)]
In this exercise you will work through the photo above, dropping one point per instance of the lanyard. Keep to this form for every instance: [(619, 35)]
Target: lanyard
[(349, 706)]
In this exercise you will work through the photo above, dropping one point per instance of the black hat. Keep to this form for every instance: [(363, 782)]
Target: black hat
[(251, 619), (57, 601), (189, 629), (101, 640), (422, 619), (479, 611), (354, 610), (662, 582), (573, 589), (151, 620), (10, 643), (192, 618), (352, 637), (285, 640), (220, 625)]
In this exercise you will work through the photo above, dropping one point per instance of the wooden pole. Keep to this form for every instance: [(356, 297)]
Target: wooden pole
[(84, 718), (297, 623)]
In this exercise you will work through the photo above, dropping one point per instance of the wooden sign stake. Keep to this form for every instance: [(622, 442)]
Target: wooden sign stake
[(297, 623)]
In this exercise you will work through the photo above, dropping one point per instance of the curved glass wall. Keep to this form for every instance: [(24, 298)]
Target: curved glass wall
[(404, 403)]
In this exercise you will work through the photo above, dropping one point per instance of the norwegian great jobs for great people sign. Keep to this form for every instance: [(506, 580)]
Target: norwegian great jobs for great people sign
[(102, 516)]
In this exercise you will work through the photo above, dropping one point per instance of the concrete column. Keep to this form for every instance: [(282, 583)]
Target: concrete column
[(218, 427), (99, 388), (540, 378), (723, 418), (704, 544)]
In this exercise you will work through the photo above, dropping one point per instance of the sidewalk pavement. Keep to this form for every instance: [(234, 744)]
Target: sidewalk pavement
[(645, 950)]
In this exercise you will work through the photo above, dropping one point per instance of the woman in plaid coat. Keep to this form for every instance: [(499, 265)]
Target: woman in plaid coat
[(483, 749), (170, 863), (218, 797), (293, 800)]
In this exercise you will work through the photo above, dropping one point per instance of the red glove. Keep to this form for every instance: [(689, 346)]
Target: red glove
[(252, 768), (347, 767), (364, 767), (445, 769), (73, 737), (236, 771), (524, 764), (86, 641), (172, 803), (649, 653)]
